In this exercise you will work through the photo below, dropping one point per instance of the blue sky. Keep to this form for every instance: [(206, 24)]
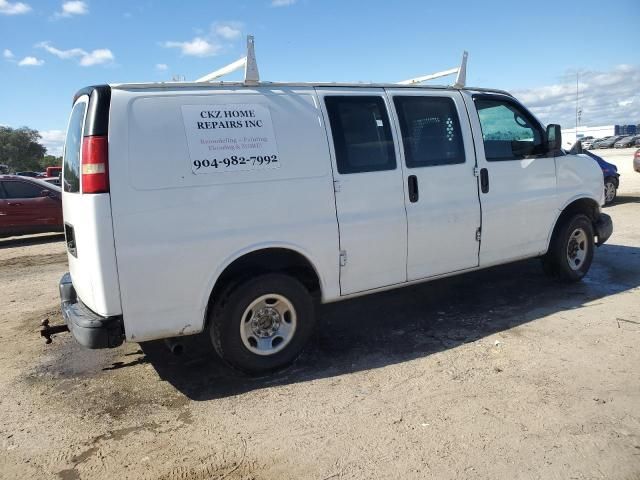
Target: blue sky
[(52, 48)]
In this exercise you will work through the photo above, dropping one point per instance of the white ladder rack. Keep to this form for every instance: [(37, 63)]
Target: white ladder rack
[(461, 78), (252, 77)]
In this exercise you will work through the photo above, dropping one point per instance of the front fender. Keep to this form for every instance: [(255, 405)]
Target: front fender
[(578, 176)]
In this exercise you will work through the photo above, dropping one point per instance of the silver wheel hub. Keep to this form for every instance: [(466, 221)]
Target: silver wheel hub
[(268, 324), (577, 248), (265, 322)]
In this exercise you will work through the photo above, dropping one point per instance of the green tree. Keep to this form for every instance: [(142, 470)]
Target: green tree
[(20, 149), (50, 161)]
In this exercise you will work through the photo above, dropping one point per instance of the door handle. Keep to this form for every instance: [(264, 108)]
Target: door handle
[(413, 189), (484, 180), (12, 204)]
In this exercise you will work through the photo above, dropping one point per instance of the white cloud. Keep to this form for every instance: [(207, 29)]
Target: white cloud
[(8, 54), (73, 7), (30, 62), (605, 98), (63, 54), (97, 57), (15, 8), (208, 44), (53, 141), (198, 47), (162, 67), (282, 3), (86, 59), (228, 30)]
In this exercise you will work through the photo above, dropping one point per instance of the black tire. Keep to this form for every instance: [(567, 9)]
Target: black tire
[(609, 182), (226, 320), (557, 261)]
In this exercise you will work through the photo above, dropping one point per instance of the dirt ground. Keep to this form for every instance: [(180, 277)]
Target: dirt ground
[(496, 374)]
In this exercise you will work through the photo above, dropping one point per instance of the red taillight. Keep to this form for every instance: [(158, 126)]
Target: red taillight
[(95, 164)]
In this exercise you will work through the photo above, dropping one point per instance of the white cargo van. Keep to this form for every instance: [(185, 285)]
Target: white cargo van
[(232, 207)]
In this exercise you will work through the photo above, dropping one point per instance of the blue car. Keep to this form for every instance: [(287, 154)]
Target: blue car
[(611, 177)]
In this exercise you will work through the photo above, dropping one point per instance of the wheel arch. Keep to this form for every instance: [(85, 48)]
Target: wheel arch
[(614, 178), (584, 204), (258, 259)]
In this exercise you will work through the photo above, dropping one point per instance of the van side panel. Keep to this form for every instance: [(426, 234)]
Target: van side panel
[(175, 230)]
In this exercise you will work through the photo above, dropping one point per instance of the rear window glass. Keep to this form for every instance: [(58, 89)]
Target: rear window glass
[(18, 189), (72, 145), (361, 134)]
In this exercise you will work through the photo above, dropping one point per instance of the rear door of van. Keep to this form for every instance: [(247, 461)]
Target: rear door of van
[(87, 215)]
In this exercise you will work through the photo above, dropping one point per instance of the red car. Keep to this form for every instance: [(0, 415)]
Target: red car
[(29, 205), (53, 172)]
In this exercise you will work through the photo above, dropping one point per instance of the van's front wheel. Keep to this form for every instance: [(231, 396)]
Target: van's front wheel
[(262, 324), (571, 250)]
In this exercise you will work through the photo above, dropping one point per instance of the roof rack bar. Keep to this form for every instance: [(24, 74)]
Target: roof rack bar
[(489, 90), (251, 74), (232, 67), (460, 79)]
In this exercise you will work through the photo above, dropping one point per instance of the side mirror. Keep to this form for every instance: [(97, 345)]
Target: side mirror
[(46, 193), (554, 138)]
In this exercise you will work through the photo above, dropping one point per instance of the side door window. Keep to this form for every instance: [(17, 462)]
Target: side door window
[(430, 129), (508, 131), (361, 134), (16, 189)]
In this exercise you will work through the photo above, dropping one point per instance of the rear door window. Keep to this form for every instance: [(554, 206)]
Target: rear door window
[(72, 147), (18, 189), (361, 134), (430, 129)]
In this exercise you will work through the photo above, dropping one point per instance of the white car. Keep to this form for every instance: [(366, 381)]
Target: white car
[(232, 207)]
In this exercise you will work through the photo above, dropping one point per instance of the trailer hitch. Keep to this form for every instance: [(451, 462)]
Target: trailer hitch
[(47, 330)]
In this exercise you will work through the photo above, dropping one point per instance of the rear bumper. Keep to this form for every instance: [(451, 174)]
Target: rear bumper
[(88, 328), (603, 228)]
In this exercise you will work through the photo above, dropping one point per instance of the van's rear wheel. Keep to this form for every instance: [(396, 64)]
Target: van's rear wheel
[(262, 324), (571, 251)]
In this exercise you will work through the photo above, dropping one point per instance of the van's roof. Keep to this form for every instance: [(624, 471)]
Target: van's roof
[(209, 85)]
